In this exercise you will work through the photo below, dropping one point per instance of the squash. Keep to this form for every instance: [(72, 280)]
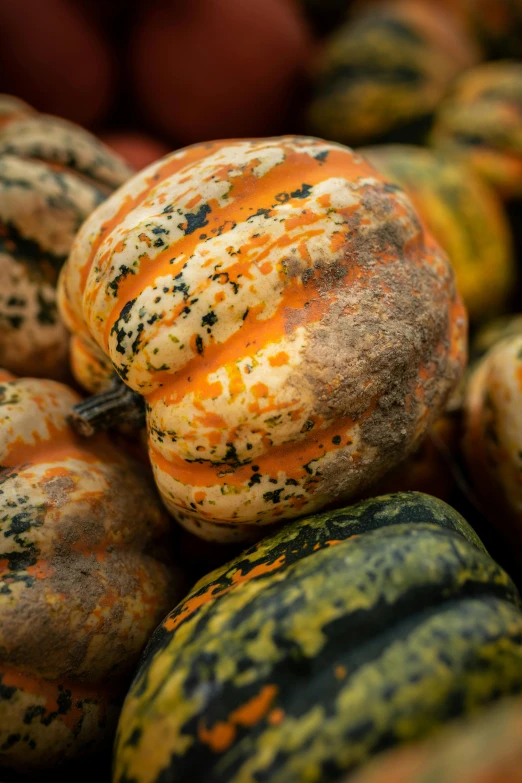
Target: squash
[(84, 577), (292, 329), (382, 74), (483, 749), (248, 62), (464, 215), (493, 436), (52, 175), (56, 56), (339, 636), (481, 122)]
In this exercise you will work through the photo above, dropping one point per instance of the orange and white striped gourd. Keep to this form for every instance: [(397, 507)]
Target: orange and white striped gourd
[(277, 303)]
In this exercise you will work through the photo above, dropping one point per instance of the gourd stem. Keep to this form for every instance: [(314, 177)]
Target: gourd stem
[(117, 406)]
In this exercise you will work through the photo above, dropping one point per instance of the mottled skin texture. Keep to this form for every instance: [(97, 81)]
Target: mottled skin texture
[(485, 749), (84, 577), (493, 435), (339, 636), (293, 329), (52, 176), (382, 74), (464, 215), (480, 121)]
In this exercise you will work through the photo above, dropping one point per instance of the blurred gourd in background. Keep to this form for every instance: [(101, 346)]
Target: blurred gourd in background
[(210, 69), (55, 57), (52, 176), (493, 435), (382, 74), (480, 121)]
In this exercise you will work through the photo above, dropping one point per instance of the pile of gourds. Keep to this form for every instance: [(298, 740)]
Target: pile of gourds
[(264, 343)]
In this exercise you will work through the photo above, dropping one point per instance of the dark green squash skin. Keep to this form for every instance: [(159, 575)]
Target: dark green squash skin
[(352, 631)]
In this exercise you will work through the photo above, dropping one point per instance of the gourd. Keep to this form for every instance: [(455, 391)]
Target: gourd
[(291, 327), (493, 435), (52, 175), (481, 122), (382, 74), (85, 576), (484, 748), (464, 215), (336, 637)]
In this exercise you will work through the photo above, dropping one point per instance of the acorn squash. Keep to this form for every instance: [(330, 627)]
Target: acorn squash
[(281, 313), (337, 637)]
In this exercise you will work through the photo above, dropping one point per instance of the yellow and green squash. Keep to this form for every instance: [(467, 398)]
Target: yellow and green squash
[(340, 636), (381, 75), (480, 121)]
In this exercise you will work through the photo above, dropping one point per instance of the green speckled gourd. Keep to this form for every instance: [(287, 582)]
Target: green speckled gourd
[(351, 631), (382, 74), (52, 175)]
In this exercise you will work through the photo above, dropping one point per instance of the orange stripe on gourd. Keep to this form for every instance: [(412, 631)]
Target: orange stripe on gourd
[(297, 166), (220, 330)]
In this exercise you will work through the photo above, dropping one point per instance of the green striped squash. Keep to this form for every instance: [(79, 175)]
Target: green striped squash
[(341, 635), (480, 122), (53, 174), (381, 74)]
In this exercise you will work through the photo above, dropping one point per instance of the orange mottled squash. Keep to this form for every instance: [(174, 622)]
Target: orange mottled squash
[(84, 577), (292, 328), (52, 175)]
